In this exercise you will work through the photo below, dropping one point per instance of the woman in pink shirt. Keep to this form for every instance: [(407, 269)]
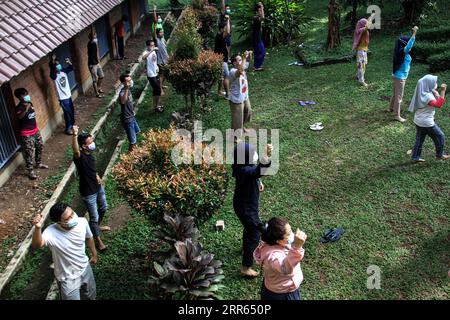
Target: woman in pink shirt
[(280, 253)]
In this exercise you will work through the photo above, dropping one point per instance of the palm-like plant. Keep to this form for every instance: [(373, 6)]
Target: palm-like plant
[(178, 228), (190, 274)]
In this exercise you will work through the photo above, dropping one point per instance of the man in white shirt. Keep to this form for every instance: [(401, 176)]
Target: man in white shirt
[(152, 74), (66, 239), (65, 93), (239, 101)]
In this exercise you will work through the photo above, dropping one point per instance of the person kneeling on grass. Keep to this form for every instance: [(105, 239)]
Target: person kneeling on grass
[(279, 254), (247, 172), (127, 115), (424, 103), (67, 238)]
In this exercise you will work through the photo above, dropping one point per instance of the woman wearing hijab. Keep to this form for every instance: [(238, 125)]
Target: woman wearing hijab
[(280, 254), (361, 45), (247, 172), (424, 103), (401, 67)]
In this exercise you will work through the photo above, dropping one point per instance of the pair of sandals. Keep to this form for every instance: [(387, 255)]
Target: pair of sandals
[(316, 126), (99, 94), (159, 109), (332, 235)]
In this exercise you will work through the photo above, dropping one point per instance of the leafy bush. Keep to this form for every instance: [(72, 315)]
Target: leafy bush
[(207, 16), (191, 274), (437, 34), (423, 50), (187, 42), (153, 184), (283, 19), (439, 62), (178, 228)]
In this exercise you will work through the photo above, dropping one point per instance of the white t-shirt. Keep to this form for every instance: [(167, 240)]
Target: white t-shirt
[(68, 249), (63, 86), (424, 117), (152, 65), (238, 87)]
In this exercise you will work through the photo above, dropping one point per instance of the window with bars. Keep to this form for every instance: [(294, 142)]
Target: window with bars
[(8, 142)]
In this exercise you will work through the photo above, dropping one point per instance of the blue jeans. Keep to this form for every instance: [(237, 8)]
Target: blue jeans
[(96, 205), (131, 128), (260, 53), (435, 133), (266, 294), (69, 113)]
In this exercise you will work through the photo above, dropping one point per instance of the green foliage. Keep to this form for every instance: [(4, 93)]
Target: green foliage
[(283, 19), (207, 16), (439, 62), (190, 274), (153, 184), (437, 34), (423, 50), (187, 41), (178, 228)]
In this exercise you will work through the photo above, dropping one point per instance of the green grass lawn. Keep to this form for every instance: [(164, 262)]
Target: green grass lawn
[(355, 174)]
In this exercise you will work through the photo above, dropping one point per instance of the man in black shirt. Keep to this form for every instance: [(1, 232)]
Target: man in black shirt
[(94, 63), (127, 115), (91, 188), (258, 44), (220, 47)]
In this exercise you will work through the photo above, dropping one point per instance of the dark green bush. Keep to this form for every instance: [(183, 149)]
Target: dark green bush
[(439, 62), (423, 50), (438, 34)]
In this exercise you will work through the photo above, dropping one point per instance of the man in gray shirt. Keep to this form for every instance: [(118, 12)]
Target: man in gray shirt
[(163, 56)]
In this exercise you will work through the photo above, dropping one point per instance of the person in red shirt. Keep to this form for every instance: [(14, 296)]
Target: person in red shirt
[(119, 34), (31, 139)]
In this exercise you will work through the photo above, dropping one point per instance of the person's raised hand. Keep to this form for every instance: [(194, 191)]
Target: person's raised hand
[(269, 149), (415, 28), (75, 130), (38, 221), (299, 238), (443, 86)]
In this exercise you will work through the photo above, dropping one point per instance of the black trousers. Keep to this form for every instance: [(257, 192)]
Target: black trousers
[(120, 47), (266, 294), (249, 218)]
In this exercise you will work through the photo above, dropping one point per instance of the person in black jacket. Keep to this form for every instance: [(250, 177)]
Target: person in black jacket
[(247, 172)]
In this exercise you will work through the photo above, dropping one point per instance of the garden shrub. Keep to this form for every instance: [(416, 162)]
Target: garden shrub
[(283, 19), (439, 62), (190, 274), (153, 184), (423, 50), (186, 40), (437, 34), (207, 16)]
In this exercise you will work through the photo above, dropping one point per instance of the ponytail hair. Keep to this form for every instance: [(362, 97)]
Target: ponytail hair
[(273, 230)]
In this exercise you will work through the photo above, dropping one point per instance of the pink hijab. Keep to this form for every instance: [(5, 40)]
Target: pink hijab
[(359, 30)]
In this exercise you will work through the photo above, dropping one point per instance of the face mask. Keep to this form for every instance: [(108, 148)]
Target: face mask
[(255, 158), (91, 147), (27, 98), (228, 11), (159, 20), (95, 40), (70, 224), (291, 238), (58, 67), (131, 84)]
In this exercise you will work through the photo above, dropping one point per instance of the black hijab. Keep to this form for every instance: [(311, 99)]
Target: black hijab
[(399, 52)]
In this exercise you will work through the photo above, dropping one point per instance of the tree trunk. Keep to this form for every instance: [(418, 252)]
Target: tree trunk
[(354, 17), (334, 21)]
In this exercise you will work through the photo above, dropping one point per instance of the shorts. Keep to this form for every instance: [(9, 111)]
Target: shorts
[(226, 70), (361, 57), (81, 288), (228, 40), (96, 72), (161, 68), (156, 86)]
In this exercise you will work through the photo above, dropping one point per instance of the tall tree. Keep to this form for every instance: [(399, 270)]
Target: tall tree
[(412, 9), (334, 23)]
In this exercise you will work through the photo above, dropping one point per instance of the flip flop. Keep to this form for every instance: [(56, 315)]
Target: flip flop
[(301, 103), (311, 102), (332, 235), (105, 228), (316, 126)]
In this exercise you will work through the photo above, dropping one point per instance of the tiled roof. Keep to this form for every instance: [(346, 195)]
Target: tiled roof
[(30, 29)]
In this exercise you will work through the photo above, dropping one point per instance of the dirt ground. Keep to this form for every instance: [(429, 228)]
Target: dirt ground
[(21, 198)]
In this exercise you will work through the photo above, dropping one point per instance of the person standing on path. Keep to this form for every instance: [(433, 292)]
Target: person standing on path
[(161, 54), (30, 135), (152, 74), (119, 35), (258, 43), (91, 188), (424, 103), (247, 172), (127, 115), (64, 91), (220, 47), (94, 64), (401, 67), (67, 238)]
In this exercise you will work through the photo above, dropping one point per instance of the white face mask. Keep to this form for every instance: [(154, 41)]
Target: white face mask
[(291, 238), (255, 157), (131, 84)]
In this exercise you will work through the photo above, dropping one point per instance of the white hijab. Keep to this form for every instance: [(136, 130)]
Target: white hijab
[(423, 93)]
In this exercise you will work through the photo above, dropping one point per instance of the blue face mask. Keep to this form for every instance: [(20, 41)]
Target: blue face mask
[(291, 239), (70, 224), (228, 11), (58, 67), (27, 98), (91, 147)]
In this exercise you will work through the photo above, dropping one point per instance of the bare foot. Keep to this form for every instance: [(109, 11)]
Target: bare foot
[(249, 272)]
